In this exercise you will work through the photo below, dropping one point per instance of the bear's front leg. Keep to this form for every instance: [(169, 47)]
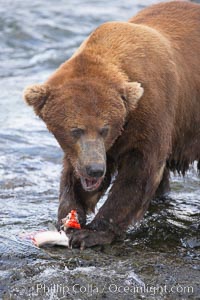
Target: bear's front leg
[(69, 202), (69, 198), (135, 185)]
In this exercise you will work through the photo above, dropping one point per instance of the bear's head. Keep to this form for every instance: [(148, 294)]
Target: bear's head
[(86, 117)]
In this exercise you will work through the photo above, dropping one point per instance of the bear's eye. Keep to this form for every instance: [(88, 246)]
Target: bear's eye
[(77, 132), (123, 98), (104, 131)]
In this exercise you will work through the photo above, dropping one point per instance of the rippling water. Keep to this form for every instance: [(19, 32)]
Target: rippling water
[(35, 37)]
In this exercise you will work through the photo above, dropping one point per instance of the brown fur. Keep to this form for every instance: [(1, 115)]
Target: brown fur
[(160, 48)]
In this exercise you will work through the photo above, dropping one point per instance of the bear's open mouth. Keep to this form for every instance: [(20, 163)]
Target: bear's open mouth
[(91, 184)]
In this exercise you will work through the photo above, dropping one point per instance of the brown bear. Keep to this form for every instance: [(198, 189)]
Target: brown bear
[(126, 104)]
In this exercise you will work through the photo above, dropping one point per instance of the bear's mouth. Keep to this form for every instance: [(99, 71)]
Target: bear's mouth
[(91, 184)]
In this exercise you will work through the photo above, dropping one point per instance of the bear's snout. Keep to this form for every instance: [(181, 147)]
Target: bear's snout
[(95, 170), (94, 176), (92, 163)]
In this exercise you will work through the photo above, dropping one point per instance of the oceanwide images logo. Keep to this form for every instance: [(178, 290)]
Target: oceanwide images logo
[(112, 288)]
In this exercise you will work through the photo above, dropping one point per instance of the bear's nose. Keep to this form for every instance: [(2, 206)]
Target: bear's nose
[(95, 170)]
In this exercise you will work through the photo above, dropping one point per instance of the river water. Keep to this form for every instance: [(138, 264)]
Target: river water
[(160, 259)]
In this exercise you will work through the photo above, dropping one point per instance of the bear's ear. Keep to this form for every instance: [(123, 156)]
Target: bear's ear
[(133, 92), (36, 95)]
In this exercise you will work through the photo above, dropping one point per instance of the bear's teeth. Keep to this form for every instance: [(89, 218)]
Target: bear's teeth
[(90, 184)]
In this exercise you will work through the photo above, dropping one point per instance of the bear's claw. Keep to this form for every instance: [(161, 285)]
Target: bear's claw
[(85, 238)]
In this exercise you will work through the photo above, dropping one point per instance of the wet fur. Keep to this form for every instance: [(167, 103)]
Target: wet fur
[(159, 47)]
